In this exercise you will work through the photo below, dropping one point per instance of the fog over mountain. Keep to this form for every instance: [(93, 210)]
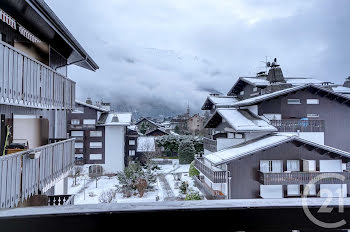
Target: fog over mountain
[(157, 56)]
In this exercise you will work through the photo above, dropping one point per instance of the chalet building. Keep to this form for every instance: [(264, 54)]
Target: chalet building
[(145, 125), (195, 124), (89, 136), (36, 154), (293, 128)]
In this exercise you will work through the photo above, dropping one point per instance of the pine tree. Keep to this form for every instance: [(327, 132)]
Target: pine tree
[(186, 152)]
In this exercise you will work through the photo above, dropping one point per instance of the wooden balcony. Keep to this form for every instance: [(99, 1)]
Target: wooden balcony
[(301, 178), (209, 144), (215, 176), (25, 81), (292, 125), (25, 173)]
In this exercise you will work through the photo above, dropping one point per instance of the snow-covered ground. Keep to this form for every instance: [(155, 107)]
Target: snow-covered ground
[(90, 194)]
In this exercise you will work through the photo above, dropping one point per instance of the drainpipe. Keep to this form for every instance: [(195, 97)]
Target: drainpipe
[(228, 180)]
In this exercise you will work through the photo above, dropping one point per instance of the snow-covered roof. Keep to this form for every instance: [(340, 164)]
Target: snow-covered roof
[(219, 101), (91, 106), (115, 119), (158, 128), (256, 81), (261, 98), (263, 143), (302, 81), (146, 144), (242, 120), (341, 89), (263, 82)]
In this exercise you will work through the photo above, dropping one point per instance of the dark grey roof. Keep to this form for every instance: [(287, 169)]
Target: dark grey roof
[(326, 91), (36, 16)]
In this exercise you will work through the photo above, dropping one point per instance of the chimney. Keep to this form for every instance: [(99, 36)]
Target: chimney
[(275, 73), (347, 82), (106, 106), (89, 101)]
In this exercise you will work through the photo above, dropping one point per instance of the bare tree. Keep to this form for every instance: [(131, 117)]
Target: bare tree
[(76, 172)]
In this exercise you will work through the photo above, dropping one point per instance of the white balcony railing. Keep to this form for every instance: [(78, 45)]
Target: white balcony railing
[(27, 82), (25, 173)]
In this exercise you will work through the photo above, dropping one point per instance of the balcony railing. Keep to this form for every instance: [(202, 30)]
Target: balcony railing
[(27, 82), (209, 144), (61, 200), (292, 125), (301, 178), (25, 173), (214, 176)]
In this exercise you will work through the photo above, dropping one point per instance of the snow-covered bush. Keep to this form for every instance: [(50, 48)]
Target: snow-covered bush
[(183, 187), (132, 175), (92, 194), (107, 196), (171, 143), (186, 152), (193, 196), (193, 171)]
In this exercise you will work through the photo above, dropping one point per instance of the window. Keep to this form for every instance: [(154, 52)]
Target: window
[(238, 136), (309, 165), (3, 37), (293, 165), (275, 166), (95, 144), (131, 152), (294, 101), (77, 133), (132, 142), (293, 190), (75, 121), (255, 89), (312, 189), (89, 122), (241, 93), (312, 101), (79, 145), (313, 115), (230, 135), (95, 133), (78, 110), (95, 156)]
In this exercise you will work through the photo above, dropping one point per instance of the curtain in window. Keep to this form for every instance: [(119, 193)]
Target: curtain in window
[(277, 166), (293, 165), (264, 165)]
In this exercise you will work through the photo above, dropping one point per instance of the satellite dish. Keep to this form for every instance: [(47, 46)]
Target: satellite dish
[(275, 60)]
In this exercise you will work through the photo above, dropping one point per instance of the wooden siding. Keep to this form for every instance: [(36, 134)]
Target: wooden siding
[(244, 172)]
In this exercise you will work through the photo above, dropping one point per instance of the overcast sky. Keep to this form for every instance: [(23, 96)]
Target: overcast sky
[(163, 54)]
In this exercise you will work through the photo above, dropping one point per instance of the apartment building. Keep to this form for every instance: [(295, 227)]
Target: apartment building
[(35, 95), (292, 130)]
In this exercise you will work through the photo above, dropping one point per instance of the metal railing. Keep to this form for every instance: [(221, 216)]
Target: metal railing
[(25, 173), (209, 144), (213, 175), (287, 178), (61, 200), (293, 125), (27, 82)]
